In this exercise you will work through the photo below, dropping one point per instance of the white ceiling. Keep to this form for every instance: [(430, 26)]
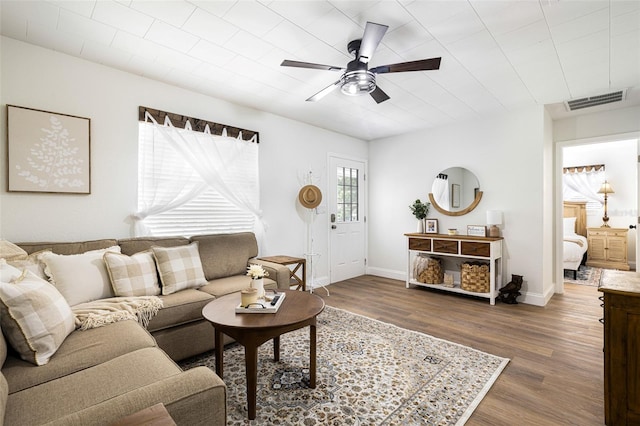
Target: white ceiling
[(496, 55)]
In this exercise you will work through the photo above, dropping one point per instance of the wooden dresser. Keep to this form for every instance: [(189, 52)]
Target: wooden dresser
[(607, 248), (621, 347)]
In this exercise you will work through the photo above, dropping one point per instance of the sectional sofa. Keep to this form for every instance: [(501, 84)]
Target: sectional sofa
[(102, 374)]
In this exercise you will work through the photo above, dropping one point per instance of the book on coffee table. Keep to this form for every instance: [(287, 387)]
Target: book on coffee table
[(262, 306)]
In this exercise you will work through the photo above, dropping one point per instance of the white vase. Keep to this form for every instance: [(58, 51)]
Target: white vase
[(258, 283), (420, 229)]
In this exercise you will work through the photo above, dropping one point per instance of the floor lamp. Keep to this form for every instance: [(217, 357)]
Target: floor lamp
[(605, 189)]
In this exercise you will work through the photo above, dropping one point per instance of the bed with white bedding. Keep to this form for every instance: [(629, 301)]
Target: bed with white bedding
[(575, 235)]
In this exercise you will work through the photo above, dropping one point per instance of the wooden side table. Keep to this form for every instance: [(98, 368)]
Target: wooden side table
[(300, 281)]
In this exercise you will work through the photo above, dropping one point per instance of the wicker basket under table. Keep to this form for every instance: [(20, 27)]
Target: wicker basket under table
[(433, 273), (474, 276)]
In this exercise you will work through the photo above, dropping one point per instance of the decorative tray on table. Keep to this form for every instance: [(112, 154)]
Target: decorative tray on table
[(268, 305)]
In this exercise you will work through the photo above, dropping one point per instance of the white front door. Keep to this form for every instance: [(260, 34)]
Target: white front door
[(346, 203)]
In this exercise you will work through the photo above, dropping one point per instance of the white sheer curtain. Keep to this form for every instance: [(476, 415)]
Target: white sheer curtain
[(441, 191), (583, 186), (213, 158)]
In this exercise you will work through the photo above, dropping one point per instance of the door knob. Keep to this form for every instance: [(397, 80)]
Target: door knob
[(632, 226), (334, 227)]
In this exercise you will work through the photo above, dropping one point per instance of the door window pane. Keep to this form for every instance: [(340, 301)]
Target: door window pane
[(347, 204)]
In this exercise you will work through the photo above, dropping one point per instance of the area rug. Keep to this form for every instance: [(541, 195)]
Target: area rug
[(368, 373), (586, 275)]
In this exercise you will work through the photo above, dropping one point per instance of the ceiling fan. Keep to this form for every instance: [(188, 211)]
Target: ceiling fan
[(357, 78)]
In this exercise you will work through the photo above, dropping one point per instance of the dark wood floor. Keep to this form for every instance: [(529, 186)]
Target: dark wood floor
[(556, 368)]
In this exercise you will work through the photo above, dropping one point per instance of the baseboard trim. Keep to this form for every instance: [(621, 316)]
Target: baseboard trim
[(387, 273)]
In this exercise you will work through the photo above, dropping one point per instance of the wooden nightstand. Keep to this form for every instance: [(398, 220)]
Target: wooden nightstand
[(607, 248)]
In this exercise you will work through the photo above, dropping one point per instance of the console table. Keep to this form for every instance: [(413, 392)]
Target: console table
[(462, 247)]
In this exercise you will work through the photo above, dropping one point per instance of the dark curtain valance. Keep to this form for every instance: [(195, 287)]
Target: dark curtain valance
[(198, 125), (580, 169)]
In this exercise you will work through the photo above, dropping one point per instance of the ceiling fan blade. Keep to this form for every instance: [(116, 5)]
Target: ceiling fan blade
[(324, 92), (288, 63), (378, 95), (371, 38), (421, 65)]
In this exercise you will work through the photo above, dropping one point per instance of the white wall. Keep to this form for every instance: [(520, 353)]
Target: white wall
[(43, 79), (507, 153), (599, 124)]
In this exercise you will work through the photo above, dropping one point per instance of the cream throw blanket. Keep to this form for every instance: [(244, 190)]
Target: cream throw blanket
[(106, 311)]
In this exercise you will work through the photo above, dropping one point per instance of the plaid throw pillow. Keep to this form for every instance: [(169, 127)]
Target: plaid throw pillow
[(34, 316), (133, 275), (179, 267)]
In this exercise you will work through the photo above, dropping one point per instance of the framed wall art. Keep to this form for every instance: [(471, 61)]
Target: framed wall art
[(48, 151), (431, 226), (477, 230)]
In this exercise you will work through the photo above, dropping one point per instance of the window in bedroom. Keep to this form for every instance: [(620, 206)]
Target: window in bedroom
[(195, 182), (581, 183)]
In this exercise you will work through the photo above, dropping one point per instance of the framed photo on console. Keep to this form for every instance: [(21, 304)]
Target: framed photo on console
[(431, 226)]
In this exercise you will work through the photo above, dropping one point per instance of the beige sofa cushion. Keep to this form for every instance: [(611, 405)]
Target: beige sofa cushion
[(196, 397), (226, 255), (34, 316), (68, 248), (180, 308), (81, 350), (180, 267), (134, 275), (131, 246), (224, 286), (78, 391)]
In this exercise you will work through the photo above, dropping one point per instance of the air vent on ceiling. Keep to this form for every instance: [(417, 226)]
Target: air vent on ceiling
[(591, 101)]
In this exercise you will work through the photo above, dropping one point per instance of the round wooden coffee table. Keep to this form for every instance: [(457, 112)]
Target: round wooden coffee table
[(299, 309)]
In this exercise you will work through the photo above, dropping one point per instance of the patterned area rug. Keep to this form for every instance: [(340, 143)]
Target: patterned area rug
[(368, 373), (587, 275)]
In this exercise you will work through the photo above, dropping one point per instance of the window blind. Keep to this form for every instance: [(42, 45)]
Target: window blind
[(162, 166)]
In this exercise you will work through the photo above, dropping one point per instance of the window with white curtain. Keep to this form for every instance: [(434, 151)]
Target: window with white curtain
[(582, 184), (193, 183)]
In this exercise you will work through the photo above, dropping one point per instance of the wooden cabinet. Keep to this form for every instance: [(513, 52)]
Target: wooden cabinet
[(458, 248), (607, 248), (621, 348)]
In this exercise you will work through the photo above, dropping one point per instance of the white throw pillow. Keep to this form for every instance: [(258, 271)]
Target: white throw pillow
[(35, 317), (134, 275), (179, 267), (569, 225), (80, 277)]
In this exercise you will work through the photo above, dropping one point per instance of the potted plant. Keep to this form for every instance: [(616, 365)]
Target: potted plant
[(420, 210)]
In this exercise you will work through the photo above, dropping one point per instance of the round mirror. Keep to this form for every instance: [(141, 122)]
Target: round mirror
[(455, 191)]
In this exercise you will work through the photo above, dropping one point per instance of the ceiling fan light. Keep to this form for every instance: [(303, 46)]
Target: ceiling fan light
[(357, 83)]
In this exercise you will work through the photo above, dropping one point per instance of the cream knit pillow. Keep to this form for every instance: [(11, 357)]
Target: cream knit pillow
[(80, 277)]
